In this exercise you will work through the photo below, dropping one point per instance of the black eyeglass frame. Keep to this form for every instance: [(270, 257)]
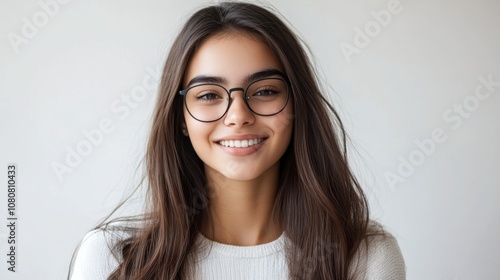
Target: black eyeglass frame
[(245, 96)]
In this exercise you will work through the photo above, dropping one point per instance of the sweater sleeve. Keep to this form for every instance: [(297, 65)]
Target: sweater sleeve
[(94, 259), (380, 258)]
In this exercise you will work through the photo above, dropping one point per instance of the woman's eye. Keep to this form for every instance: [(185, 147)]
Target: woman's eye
[(265, 92), (207, 96)]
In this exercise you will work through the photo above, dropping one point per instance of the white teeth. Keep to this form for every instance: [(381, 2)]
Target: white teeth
[(241, 143)]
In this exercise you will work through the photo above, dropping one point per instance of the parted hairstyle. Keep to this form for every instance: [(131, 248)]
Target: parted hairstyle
[(319, 204)]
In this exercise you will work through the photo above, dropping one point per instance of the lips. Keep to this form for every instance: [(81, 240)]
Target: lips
[(240, 143)]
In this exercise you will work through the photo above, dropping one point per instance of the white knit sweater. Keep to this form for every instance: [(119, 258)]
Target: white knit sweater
[(382, 261)]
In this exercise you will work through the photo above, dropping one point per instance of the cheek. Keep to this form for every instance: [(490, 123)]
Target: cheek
[(193, 126), (283, 122), (199, 133)]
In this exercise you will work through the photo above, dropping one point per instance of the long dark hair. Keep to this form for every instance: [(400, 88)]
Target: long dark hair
[(319, 205)]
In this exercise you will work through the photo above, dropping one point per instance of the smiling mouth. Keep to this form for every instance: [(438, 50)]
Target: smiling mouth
[(240, 143)]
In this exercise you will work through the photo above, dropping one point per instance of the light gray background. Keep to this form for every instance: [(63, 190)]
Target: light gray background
[(398, 89)]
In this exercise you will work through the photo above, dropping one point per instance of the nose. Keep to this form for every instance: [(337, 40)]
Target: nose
[(238, 113)]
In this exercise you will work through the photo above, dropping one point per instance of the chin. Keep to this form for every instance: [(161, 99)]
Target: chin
[(239, 175)]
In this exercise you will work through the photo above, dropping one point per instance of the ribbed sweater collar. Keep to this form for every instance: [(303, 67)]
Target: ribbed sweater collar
[(233, 251)]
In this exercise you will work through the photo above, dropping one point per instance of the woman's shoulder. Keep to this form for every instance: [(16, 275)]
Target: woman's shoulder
[(97, 257), (379, 256)]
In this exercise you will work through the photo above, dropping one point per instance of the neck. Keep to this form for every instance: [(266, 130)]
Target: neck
[(240, 211)]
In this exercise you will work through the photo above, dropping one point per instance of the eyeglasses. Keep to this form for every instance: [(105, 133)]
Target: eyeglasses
[(210, 102)]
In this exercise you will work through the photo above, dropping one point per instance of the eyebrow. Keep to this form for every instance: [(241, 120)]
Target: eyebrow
[(248, 79)]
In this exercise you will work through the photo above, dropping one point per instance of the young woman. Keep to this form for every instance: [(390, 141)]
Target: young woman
[(247, 172)]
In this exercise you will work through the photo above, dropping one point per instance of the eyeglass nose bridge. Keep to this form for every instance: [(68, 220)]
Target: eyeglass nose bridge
[(230, 91)]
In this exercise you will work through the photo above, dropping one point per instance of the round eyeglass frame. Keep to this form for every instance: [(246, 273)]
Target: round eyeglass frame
[(245, 97)]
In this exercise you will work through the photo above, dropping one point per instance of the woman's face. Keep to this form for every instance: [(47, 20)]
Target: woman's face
[(230, 60)]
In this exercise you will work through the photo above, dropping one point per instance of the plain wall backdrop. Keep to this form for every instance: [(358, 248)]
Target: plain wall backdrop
[(417, 84)]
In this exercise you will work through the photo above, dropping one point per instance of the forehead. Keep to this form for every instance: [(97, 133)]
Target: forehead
[(231, 56)]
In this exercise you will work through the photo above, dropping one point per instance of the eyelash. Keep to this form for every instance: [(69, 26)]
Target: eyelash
[(268, 91), (203, 96)]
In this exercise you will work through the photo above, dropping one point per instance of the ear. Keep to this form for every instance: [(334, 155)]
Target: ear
[(184, 130)]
